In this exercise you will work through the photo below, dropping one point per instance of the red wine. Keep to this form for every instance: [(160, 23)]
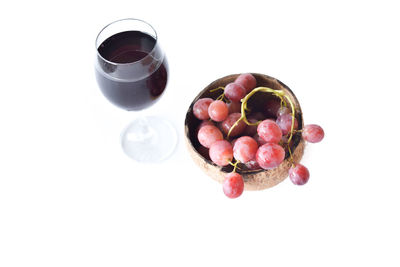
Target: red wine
[(132, 71)]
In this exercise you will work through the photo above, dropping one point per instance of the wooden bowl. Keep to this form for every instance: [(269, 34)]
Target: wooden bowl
[(254, 180)]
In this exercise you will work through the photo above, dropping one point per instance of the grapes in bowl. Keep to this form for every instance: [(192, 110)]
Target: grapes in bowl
[(246, 131)]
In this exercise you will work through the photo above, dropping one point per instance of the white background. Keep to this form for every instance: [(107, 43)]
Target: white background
[(70, 197)]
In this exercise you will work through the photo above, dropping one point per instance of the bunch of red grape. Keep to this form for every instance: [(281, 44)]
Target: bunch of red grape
[(225, 137)]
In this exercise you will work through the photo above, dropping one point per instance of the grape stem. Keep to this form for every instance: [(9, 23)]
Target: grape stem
[(235, 165), (222, 96), (216, 89), (282, 96)]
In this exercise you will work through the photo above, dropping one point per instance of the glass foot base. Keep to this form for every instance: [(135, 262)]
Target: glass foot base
[(149, 139)]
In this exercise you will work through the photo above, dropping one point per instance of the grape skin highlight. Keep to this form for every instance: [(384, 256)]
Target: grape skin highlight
[(208, 135), (282, 111), (221, 152), (269, 131), (252, 165)]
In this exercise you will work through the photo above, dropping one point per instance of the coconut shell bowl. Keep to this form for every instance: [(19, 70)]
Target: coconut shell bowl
[(254, 179)]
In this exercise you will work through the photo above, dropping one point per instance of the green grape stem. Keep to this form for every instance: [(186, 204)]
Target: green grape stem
[(235, 165), (218, 88), (222, 96), (282, 96)]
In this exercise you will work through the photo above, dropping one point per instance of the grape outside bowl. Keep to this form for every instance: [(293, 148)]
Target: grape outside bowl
[(254, 179)]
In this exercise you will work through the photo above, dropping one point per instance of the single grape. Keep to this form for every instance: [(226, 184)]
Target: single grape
[(285, 123), (204, 123), (208, 135), (234, 107), (247, 81), (245, 149), (221, 152), (229, 122), (270, 156), (200, 108), (218, 110), (313, 133), (271, 107), (233, 185), (259, 140), (269, 131), (251, 129), (234, 92), (204, 152), (252, 165), (282, 111), (299, 174)]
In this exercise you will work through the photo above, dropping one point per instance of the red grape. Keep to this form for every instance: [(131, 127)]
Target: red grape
[(234, 107), (285, 123), (252, 165), (200, 108), (234, 92), (299, 174), (245, 149), (282, 111), (221, 152), (270, 155), (229, 122), (313, 133), (208, 135), (271, 107), (233, 185), (218, 110), (269, 131), (247, 81)]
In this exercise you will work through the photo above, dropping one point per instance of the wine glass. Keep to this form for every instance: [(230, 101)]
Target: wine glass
[(132, 73)]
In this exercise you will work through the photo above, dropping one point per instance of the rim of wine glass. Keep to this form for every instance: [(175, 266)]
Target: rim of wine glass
[(129, 63)]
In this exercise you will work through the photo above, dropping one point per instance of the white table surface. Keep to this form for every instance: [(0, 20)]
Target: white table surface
[(70, 197)]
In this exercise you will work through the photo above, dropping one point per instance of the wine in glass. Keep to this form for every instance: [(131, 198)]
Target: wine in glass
[(132, 73)]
